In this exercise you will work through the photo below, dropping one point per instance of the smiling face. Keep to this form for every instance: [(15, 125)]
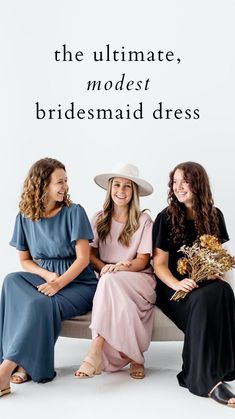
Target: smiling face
[(181, 189), (57, 187), (121, 191)]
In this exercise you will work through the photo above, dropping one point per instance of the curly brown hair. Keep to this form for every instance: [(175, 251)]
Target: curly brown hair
[(205, 214), (32, 201), (103, 223)]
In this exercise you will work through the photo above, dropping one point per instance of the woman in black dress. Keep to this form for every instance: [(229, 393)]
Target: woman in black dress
[(207, 314)]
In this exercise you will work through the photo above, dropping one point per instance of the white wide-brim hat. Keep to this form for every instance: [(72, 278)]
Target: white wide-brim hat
[(126, 171)]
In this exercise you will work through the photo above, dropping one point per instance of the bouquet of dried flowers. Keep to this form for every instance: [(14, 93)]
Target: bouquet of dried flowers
[(205, 259)]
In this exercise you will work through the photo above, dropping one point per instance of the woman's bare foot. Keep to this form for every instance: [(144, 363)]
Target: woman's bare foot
[(20, 376), (5, 374), (91, 366), (136, 370), (4, 382), (92, 363)]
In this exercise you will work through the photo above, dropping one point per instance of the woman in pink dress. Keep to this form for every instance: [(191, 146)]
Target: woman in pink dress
[(122, 316)]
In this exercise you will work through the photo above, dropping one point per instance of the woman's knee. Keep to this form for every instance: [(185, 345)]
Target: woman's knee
[(107, 282), (10, 278)]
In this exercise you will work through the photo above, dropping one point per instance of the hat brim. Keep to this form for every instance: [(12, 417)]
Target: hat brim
[(145, 188)]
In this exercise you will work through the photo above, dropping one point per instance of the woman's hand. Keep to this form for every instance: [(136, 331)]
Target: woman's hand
[(120, 266), (51, 276), (107, 268), (186, 285), (215, 277), (50, 288), (114, 267)]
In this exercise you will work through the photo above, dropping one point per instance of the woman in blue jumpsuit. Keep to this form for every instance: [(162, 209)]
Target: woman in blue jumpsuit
[(52, 236)]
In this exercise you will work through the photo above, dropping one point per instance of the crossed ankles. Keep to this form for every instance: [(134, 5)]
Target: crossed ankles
[(221, 394), (90, 367)]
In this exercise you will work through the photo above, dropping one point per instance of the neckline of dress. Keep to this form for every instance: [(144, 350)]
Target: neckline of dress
[(53, 216), (118, 222)]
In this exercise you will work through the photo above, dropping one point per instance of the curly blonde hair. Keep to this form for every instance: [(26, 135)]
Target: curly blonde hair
[(103, 223), (32, 201)]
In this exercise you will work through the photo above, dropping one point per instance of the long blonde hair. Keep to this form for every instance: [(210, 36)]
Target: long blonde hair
[(32, 201), (103, 223)]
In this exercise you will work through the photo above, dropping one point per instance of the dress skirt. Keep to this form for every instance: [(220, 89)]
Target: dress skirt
[(207, 317), (30, 321), (123, 314)]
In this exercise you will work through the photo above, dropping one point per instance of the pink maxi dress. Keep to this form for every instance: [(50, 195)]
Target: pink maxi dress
[(123, 304)]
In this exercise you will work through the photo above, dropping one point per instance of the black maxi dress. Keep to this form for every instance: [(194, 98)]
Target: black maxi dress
[(206, 316)]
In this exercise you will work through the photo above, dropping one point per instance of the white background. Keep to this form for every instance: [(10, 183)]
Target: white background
[(200, 33)]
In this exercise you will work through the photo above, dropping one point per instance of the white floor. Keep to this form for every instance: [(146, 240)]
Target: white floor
[(111, 395)]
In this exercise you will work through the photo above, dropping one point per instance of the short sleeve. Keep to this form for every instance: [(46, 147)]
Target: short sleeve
[(224, 237), (18, 239), (161, 232), (80, 225), (95, 242), (145, 245)]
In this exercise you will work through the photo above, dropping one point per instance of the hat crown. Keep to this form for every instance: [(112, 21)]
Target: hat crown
[(127, 170)]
